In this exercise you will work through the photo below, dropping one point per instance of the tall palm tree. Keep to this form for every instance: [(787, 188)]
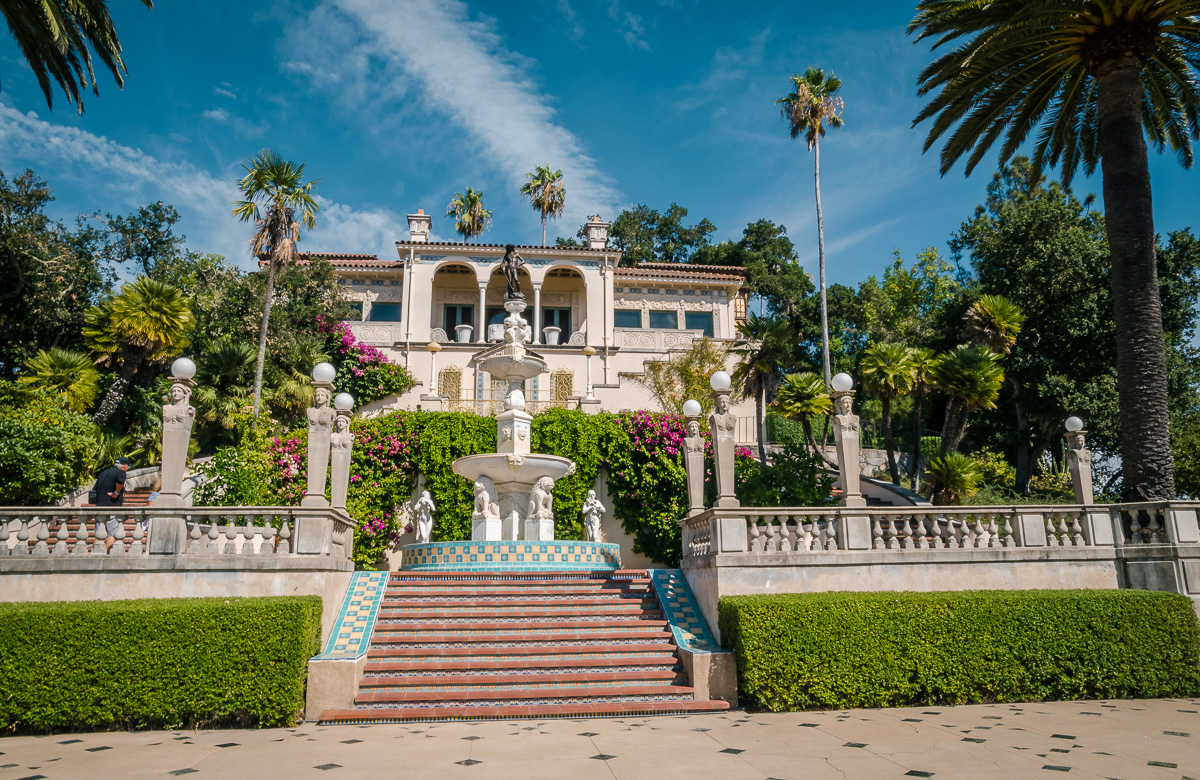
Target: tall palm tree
[(546, 194), (278, 203), (1093, 78), (813, 104), (801, 397), (66, 372), (972, 377), (764, 346), (887, 371), (471, 218), (55, 36), (148, 321), (994, 321), (923, 361)]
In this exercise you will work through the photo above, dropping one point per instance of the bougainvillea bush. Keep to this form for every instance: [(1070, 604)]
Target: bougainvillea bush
[(362, 370), (640, 454)]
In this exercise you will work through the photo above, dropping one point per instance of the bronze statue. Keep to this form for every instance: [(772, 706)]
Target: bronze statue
[(512, 263)]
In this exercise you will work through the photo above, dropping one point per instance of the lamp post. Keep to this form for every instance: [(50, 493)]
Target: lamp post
[(1079, 460), (845, 434), (433, 348), (168, 535), (320, 427), (723, 425), (341, 444), (588, 351), (693, 448)]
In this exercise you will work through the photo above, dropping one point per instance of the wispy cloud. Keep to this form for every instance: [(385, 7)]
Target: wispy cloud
[(629, 25), (574, 26), (428, 45), (125, 177), (216, 114), (226, 90)]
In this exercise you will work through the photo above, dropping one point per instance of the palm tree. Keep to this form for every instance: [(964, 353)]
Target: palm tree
[(546, 194), (923, 361), (764, 346), (994, 321), (148, 321), (66, 372), (887, 371), (55, 36), (274, 184), (471, 218), (1093, 78), (953, 477), (221, 391), (812, 104), (972, 377), (801, 396)]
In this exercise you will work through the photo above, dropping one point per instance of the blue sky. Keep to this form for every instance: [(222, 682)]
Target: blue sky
[(398, 105)]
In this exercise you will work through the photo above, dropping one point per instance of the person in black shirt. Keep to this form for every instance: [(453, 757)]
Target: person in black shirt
[(110, 491)]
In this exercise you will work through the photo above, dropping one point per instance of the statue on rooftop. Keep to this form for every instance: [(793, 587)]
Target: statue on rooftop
[(512, 263)]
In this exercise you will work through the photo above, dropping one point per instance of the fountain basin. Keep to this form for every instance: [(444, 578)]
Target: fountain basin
[(517, 470), (509, 367)]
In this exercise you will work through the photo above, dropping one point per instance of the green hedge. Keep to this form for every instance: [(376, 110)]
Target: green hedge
[(841, 650), (155, 662)]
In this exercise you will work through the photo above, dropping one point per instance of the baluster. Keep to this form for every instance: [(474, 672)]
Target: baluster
[(194, 547), (1135, 529), (945, 531), (774, 541), (285, 535), (268, 543), (993, 531), (139, 533), (61, 547), (915, 534), (249, 535), (118, 547), (1006, 532), (1064, 533), (81, 535), (22, 548), (932, 532), (831, 532), (1052, 539), (808, 524), (1153, 528), (792, 525), (43, 533), (889, 533), (4, 534), (754, 535), (100, 543), (983, 536), (211, 548), (230, 533), (876, 533), (1076, 530)]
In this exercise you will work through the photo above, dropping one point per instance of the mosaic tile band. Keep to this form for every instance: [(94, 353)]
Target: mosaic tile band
[(511, 556), (683, 614), (356, 619)]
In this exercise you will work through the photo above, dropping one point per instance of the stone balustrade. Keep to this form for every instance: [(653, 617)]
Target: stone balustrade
[(284, 534)]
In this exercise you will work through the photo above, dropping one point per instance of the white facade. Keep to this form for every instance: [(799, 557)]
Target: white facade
[(437, 304)]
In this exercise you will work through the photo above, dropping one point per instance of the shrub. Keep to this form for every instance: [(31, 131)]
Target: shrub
[(952, 477), (155, 662), (45, 449), (994, 468), (841, 650), (362, 370)]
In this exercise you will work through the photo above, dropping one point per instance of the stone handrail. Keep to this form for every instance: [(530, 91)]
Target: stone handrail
[(804, 531), (208, 532)]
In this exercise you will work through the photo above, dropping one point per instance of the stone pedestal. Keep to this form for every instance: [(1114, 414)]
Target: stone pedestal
[(723, 426), (485, 519), (320, 429), (168, 536), (845, 435), (341, 444), (1079, 461)]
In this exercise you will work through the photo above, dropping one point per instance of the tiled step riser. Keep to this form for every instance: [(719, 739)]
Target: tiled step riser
[(508, 659), (401, 638), (371, 673), (489, 603), (485, 613), (453, 713), (484, 688), (501, 589), (366, 702)]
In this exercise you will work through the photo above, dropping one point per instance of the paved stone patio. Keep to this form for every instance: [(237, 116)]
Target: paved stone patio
[(1093, 739)]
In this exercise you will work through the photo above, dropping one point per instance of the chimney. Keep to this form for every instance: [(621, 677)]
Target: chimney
[(597, 233), (418, 226)]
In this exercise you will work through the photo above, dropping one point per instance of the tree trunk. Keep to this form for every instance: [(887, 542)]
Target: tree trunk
[(262, 336), (955, 426), (1147, 464), (760, 400), (888, 441), (812, 442), (918, 430), (821, 264), (543, 230), (116, 392)]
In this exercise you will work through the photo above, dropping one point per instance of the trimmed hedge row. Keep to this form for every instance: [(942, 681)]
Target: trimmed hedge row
[(842, 650), (155, 662)]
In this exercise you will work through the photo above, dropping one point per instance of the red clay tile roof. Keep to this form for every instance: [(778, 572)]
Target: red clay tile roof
[(608, 251), (716, 273), (348, 260)]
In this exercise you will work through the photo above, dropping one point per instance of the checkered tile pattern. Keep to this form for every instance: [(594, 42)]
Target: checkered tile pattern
[(682, 613), (356, 620), (512, 556)]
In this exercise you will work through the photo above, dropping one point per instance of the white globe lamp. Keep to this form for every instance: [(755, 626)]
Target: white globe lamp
[(691, 408), (343, 402), (720, 381), (324, 372), (1074, 424), (842, 382), (183, 368)]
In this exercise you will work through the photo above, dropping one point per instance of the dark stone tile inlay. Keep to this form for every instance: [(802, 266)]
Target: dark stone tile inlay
[(227, 744), (328, 766), (1054, 768), (70, 741), (917, 773), (805, 725), (734, 751), (594, 734), (973, 739), (1163, 764), (351, 741), (1061, 736), (187, 771), (98, 749), (469, 762), (471, 738), (1177, 734), (602, 757), (855, 745)]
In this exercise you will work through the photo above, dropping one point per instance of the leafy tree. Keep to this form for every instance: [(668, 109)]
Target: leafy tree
[(813, 104), (772, 267), (145, 237), (887, 371), (971, 376), (683, 376), (763, 348), (224, 372), (994, 322), (148, 321), (953, 477), (923, 361), (273, 194), (644, 235), (546, 194), (471, 218), (1093, 78), (910, 303), (57, 38), (45, 449), (71, 374), (801, 397)]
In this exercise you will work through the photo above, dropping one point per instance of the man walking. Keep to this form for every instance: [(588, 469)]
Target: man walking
[(110, 491)]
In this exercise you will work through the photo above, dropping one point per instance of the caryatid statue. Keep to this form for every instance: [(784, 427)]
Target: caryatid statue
[(723, 425), (1079, 461), (512, 263), (592, 510), (320, 429), (424, 509), (693, 449), (845, 436), (177, 416)]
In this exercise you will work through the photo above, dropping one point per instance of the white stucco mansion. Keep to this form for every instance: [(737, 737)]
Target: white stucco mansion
[(436, 305)]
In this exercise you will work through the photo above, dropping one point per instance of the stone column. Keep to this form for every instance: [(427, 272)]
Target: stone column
[(693, 448), (341, 444), (536, 324), (722, 424), (845, 434), (320, 429), (481, 333), (588, 351), (1079, 460), (168, 535)]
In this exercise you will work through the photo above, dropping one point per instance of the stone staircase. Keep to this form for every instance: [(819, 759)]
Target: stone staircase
[(482, 646)]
